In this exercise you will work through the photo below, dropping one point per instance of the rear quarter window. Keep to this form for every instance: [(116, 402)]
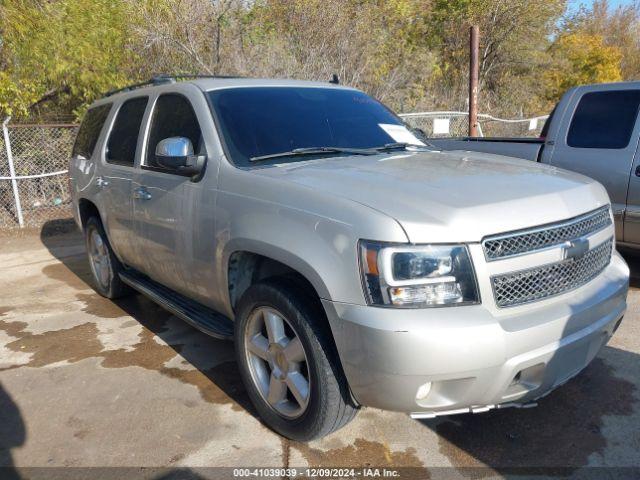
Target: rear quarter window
[(90, 130), (604, 119)]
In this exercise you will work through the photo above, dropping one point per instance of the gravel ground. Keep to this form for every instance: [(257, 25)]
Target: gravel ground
[(89, 382)]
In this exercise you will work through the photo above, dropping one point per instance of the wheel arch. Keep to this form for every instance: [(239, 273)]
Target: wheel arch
[(87, 209), (246, 267), (248, 261)]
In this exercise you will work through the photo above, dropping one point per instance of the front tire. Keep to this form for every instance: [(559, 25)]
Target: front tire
[(105, 267), (288, 362)]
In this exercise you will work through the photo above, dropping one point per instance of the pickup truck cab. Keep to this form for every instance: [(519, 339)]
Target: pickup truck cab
[(594, 130), (351, 264)]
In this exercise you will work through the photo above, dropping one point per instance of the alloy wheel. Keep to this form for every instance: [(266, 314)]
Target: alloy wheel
[(277, 362), (99, 258)]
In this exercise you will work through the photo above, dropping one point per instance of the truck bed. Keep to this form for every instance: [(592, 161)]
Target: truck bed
[(527, 148)]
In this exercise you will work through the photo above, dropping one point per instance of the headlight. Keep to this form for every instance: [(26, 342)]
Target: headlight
[(417, 275)]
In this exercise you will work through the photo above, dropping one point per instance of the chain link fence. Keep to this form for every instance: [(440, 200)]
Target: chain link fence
[(456, 124), (37, 189)]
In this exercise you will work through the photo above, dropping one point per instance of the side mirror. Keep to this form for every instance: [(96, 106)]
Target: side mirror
[(176, 153)]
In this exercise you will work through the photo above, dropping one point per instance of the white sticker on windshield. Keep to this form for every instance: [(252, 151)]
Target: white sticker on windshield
[(400, 134)]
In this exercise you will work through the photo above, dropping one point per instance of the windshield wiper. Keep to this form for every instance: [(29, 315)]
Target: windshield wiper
[(313, 151), (398, 146)]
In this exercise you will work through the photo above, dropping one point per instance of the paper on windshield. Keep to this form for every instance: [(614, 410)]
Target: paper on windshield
[(400, 134)]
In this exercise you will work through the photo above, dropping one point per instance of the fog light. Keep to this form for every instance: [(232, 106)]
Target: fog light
[(423, 391)]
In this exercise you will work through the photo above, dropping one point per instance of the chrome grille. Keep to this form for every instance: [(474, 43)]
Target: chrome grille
[(524, 241), (526, 286)]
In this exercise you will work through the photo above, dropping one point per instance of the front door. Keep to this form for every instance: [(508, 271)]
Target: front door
[(162, 197), (601, 140)]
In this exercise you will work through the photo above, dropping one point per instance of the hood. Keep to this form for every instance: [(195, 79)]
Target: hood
[(450, 196)]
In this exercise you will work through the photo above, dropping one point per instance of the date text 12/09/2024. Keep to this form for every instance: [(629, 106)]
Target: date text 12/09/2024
[(342, 473)]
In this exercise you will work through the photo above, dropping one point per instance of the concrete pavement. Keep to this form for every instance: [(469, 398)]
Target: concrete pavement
[(88, 382)]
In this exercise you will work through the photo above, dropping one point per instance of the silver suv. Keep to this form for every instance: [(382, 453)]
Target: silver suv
[(351, 263)]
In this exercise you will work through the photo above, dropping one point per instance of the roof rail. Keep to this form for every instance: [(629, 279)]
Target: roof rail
[(162, 79)]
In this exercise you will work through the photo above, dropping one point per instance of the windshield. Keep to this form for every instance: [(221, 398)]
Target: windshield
[(263, 121)]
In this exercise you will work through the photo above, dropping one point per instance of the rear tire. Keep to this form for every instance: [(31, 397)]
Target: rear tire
[(105, 267), (276, 377)]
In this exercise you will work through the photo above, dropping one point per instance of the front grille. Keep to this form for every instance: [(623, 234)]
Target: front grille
[(526, 286), (524, 241)]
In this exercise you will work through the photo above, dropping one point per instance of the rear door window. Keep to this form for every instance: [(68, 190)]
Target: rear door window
[(123, 140), (90, 130), (173, 116), (604, 119)]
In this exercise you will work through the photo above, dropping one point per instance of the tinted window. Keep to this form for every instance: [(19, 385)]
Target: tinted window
[(268, 120), (604, 119), (121, 147), (90, 130), (173, 116)]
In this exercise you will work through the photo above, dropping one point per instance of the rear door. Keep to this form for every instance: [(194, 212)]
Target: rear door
[(161, 211), (118, 160), (599, 137)]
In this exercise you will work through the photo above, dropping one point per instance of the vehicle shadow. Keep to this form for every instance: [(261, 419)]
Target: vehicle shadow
[(195, 347), (13, 434), (569, 427), (632, 258), (564, 432)]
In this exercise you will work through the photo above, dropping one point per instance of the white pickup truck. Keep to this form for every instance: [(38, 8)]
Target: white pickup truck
[(594, 130)]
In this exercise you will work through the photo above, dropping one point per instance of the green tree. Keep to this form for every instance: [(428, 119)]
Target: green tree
[(618, 27), (578, 59), (59, 55), (514, 37)]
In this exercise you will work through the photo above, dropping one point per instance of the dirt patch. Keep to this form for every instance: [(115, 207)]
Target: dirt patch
[(5, 310), (13, 329), (81, 429), (563, 431), (102, 307), (362, 454), (72, 345), (220, 384)]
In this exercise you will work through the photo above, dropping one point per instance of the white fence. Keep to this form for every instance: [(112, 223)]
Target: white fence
[(456, 124), (34, 160)]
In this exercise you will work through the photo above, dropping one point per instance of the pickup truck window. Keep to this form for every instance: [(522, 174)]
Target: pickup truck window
[(123, 140), (173, 116), (604, 119), (260, 121), (90, 130)]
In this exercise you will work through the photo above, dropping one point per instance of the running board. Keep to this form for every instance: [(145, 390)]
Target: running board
[(203, 318)]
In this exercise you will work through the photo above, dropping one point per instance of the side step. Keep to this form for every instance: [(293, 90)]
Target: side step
[(201, 317)]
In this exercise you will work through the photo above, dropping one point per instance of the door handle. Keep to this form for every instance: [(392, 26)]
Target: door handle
[(638, 171), (141, 193), (101, 182)]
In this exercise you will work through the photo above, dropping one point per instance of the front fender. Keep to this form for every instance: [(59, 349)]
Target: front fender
[(320, 247)]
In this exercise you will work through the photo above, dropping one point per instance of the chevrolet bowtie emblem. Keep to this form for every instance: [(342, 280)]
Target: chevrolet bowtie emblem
[(573, 249)]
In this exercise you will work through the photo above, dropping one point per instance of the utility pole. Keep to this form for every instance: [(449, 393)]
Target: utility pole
[(474, 47)]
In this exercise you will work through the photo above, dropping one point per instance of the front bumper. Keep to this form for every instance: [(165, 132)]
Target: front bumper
[(473, 357)]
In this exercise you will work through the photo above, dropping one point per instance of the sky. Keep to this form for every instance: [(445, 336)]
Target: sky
[(574, 4)]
